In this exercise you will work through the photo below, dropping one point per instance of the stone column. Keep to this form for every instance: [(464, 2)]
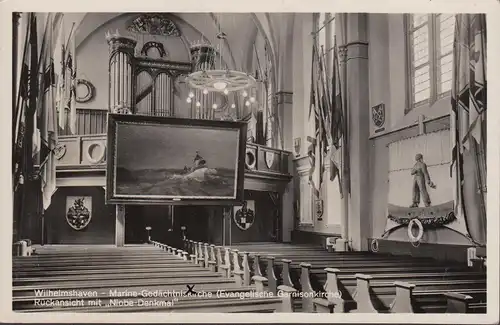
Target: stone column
[(121, 54), (332, 202), (304, 192), (120, 226), (287, 208), (358, 124), (284, 101)]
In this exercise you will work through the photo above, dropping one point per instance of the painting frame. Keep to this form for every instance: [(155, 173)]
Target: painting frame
[(114, 120)]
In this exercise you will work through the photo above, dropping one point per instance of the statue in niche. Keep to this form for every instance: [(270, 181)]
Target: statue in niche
[(421, 180)]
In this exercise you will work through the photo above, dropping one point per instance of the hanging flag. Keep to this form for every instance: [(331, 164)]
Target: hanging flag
[(48, 119), (468, 118), (44, 23), (337, 121), (60, 71), (71, 86), (23, 158), (311, 150)]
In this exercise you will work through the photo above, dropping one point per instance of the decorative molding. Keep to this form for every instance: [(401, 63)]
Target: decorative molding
[(154, 24), (434, 124), (89, 94), (284, 97), (120, 109), (431, 217), (154, 45), (355, 43), (79, 181), (165, 65), (118, 42), (302, 165)]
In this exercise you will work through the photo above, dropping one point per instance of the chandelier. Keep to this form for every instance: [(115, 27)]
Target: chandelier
[(212, 75)]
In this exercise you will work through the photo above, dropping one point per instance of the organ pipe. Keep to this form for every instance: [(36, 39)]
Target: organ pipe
[(120, 72)]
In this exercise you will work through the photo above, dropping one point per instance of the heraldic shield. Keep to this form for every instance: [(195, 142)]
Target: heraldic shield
[(78, 212), (244, 217), (269, 156), (378, 115)]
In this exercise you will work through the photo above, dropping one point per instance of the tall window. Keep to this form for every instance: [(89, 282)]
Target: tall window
[(430, 56)]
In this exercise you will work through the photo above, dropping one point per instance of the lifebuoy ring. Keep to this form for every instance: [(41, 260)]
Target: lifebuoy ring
[(99, 157), (415, 239)]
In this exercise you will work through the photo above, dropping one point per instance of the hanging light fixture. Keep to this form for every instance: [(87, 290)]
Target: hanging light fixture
[(212, 76)]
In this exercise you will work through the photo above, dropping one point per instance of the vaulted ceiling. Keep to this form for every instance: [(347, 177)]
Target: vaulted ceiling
[(243, 30)]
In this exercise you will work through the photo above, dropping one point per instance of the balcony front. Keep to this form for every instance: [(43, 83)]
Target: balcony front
[(81, 158)]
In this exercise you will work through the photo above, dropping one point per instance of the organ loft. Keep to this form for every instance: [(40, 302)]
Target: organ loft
[(309, 162)]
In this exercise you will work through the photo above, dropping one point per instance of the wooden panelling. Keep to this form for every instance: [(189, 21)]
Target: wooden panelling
[(85, 150), (101, 229), (442, 252), (88, 121), (270, 160)]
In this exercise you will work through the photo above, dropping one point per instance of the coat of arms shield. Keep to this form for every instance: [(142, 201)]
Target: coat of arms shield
[(244, 216), (378, 115), (78, 211), (318, 209), (269, 156)]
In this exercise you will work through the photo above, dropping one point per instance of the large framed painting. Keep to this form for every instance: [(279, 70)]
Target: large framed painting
[(163, 160)]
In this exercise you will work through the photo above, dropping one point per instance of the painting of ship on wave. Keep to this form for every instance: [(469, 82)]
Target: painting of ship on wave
[(176, 161)]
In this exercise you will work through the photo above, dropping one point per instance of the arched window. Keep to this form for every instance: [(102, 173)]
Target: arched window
[(430, 57)]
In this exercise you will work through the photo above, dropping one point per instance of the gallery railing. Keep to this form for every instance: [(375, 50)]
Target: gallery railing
[(88, 152)]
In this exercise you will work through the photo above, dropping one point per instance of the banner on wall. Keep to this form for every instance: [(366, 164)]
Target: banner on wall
[(78, 211), (244, 216), (420, 186)]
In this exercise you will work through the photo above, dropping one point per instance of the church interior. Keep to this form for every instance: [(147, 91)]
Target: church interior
[(310, 162)]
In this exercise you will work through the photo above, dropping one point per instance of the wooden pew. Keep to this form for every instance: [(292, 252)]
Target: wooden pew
[(212, 299), (178, 273), (406, 298), (344, 285), (473, 302), (386, 267)]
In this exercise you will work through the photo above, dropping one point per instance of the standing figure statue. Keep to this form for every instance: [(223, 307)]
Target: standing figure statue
[(421, 179)]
